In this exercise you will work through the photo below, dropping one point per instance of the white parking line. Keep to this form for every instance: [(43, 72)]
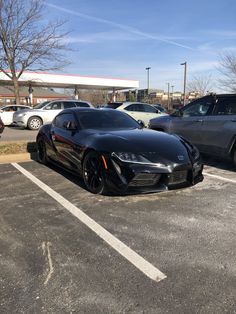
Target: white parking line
[(219, 177), (138, 261)]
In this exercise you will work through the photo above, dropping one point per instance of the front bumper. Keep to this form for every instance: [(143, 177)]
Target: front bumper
[(20, 121), (128, 177)]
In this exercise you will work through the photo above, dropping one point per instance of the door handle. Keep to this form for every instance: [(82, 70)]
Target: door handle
[(199, 120), (233, 120)]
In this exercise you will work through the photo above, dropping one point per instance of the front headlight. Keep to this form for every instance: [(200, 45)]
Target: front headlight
[(21, 114), (131, 157), (136, 158)]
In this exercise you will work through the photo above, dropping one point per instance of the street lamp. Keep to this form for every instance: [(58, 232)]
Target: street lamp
[(147, 69), (168, 100), (185, 76), (172, 96)]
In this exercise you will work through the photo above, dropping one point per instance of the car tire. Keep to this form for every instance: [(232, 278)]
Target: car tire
[(42, 151), (34, 123), (94, 173)]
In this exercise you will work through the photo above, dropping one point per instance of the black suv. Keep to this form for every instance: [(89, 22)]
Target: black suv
[(208, 122)]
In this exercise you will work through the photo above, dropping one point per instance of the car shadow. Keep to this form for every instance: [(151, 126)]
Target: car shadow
[(218, 163)]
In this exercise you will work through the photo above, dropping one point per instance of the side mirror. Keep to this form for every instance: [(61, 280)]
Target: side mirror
[(141, 123), (178, 113), (69, 125)]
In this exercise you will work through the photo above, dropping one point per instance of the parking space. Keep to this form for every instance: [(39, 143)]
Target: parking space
[(53, 262)]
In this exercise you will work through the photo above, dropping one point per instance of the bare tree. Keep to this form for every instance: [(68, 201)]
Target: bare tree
[(200, 84), (26, 43), (228, 69)]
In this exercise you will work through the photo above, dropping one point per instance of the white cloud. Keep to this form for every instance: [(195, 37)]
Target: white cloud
[(126, 28)]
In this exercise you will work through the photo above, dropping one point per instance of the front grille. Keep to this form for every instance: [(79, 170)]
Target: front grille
[(145, 179), (178, 177)]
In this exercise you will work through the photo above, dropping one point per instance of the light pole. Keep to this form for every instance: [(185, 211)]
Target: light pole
[(185, 76), (147, 69), (168, 100), (172, 97)]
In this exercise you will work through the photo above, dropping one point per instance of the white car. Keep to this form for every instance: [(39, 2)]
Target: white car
[(140, 111), (45, 112), (7, 111)]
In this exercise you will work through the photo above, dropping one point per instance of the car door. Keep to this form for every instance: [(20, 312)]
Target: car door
[(6, 114), (137, 111), (64, 140), (150, 113), (219, 129), (51, 110), (191, 119)]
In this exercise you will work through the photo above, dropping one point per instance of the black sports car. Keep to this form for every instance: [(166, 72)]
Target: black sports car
[(113, 153)]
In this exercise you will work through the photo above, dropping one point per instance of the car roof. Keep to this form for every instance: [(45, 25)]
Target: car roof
[(127, 103)]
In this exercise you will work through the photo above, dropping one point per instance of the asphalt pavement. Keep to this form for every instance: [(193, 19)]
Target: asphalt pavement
[(16, 134), (53, 262)]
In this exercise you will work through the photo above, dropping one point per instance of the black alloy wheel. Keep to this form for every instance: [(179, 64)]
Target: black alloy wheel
[(42, 151), (94, 173)]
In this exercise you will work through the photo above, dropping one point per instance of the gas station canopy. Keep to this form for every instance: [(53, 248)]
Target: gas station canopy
[(53, 80)]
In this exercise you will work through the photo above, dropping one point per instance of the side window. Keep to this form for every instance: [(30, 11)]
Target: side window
[(54, 106), (148, 108), (68, 104), (139, 107), (82, 104), (198, 108), (9, 109), (21, 108), (130, 108), (63, 119), (135, 107), (226, 106)]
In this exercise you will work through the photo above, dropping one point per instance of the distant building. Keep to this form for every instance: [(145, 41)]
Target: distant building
[(40, 94)]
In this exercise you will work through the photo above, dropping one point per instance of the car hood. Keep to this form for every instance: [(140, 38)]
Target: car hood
[(160, 119), (138, 141)]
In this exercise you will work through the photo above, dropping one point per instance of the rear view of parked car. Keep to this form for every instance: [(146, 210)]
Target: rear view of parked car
[(208, 122), (45, 112), (7, 111)]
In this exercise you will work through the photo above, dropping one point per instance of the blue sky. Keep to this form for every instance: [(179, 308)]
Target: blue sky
[(112, 38)]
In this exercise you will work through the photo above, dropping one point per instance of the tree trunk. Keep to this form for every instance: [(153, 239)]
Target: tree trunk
[(16, 90)]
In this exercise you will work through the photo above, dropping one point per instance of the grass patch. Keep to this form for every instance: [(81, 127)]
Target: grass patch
[(17, 148)]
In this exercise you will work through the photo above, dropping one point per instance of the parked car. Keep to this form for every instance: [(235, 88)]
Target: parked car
[(137, 110), (111, 151), (208, 122), (1, 126), (44, 112), (7, 111), (113, 105), (160, 108)]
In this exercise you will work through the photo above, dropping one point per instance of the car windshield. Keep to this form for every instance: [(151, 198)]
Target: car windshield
[(41, 105), (102, 119), (160, 108)]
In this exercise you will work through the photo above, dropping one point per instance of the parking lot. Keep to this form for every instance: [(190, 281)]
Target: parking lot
[(64, 250)]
